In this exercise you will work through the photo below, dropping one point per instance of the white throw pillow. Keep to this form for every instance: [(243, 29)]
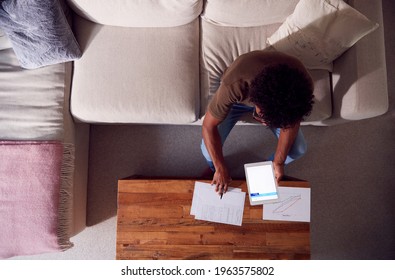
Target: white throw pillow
[(320, 31)]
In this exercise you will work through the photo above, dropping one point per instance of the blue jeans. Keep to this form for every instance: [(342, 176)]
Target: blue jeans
[(297, 150)]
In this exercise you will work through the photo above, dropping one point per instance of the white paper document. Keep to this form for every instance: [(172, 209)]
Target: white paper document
[(293, 205), (207, 205)]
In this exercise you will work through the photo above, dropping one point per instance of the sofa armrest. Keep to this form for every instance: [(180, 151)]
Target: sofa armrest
[(359, 75)]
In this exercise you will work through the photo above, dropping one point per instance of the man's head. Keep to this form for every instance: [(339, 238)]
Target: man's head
[(283, 95)]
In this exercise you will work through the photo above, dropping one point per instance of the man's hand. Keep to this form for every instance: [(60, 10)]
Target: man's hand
[(212, 140), (221, 180), (278, 171), (285, 141)]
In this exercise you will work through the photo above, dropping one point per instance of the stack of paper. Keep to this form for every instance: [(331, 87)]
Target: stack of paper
[(208, 206)]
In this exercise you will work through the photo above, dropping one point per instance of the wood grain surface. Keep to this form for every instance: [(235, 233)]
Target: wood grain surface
[(153, 222)]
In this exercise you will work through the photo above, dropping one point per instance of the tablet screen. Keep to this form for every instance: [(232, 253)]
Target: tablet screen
[(261, 182)]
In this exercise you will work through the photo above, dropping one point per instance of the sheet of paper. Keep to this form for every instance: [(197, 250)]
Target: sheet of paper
[(207, 205), (196, 190), (293, 205)]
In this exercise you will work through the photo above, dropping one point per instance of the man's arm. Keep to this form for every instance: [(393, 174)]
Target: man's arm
[(212, 140), (285, 142)]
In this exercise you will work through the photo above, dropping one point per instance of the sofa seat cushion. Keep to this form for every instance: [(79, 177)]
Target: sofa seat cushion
[(31, 100), (222, 45), (135, 13), (136, 75)]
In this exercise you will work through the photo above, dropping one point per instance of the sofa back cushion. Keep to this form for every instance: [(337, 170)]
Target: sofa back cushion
[(249, 13), (135, 13), (221, 45)]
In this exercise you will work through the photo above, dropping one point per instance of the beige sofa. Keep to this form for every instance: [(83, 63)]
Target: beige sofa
[(160, 62), (145, 60)]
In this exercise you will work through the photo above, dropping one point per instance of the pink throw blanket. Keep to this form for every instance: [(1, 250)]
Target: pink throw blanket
[(30, 181)]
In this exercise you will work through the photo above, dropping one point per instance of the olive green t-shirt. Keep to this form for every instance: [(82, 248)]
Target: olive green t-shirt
[(237, 78)]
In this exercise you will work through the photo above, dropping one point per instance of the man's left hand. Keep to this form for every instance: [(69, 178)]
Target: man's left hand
[(278, 171)]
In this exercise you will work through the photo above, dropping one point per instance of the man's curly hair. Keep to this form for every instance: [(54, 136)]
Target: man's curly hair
[(284, 94)]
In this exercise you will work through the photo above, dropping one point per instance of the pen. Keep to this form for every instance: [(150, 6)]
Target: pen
[(221, 195)]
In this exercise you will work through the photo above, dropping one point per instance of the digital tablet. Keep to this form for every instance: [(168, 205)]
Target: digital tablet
[(261, 182)]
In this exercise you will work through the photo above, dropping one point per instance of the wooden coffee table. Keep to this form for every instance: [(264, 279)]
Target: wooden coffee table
[(153, 222)]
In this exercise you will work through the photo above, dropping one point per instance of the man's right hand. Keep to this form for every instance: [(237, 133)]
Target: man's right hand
[(221, 180), (213, 144)]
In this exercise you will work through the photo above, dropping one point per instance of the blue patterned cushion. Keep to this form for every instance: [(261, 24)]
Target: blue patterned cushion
[(39, 32)]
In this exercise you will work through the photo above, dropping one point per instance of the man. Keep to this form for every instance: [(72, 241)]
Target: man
[(276, 90)]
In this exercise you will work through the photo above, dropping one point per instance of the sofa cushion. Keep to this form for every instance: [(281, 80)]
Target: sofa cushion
[(247, 13), (320, 31), (31, 100), (322, 108), (134, 13), (39, 32), (136, 75), (4, 41), (222, 45)]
